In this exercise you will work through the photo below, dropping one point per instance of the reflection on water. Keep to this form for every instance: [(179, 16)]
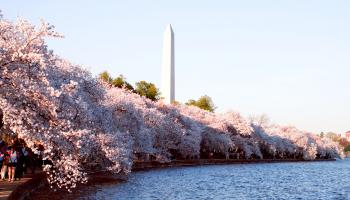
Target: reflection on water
[(301, 180)]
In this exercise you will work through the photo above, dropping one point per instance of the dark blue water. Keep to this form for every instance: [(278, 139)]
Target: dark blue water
[(301, 180)]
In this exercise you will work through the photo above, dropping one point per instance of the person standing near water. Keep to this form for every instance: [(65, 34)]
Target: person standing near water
[(2, 156), (12, 163), (5, 158), (2, 150), (20, 163), (24, 152)]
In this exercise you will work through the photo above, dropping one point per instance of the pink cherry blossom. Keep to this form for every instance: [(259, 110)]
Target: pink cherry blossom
[(86, 125)]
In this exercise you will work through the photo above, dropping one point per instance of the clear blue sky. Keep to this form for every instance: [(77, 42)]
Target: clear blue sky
[(289, 59)]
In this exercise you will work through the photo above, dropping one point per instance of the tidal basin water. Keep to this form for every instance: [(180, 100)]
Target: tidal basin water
[(299, 180)]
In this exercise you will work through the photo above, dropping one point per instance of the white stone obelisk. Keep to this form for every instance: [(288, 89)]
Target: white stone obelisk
[(168, 67)]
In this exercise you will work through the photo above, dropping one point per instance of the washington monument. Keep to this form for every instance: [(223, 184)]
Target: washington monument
[(168, 66)]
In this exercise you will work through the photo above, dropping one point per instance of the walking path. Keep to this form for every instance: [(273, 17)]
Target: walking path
[(6, 188)]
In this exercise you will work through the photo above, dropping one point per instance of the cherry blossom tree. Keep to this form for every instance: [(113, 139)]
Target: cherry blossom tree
[(47, 100), (86, 125)]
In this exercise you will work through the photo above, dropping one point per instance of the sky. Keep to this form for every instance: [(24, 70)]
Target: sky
[(287, 59)]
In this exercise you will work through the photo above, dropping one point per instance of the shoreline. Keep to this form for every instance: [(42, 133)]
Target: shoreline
[(38, 188), (142, 166)]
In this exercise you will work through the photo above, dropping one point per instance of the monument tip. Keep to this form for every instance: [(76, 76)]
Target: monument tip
[(169, 27)]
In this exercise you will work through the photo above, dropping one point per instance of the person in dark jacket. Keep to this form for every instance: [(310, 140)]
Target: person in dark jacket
[(2, 144), (25, 154), (19, 166), (4, 166)]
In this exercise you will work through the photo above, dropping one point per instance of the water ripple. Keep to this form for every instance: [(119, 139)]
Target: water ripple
[(301, 180)]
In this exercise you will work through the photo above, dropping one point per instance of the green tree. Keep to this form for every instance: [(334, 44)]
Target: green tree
[(121, 82), (105, 77), (347, 149), (204, 102), (148, 90), (191, 102), (322, 134), (333, 136), (175, 103)]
